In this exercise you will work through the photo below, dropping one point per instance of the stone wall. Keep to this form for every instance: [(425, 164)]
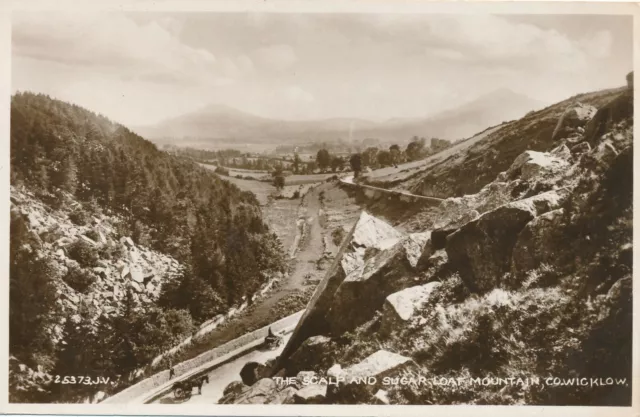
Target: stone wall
[(149, 384)]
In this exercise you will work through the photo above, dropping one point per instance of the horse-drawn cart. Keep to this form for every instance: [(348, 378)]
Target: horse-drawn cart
[(182, 390)]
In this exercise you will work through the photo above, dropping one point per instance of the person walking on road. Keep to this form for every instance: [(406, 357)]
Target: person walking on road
[(172, 371)]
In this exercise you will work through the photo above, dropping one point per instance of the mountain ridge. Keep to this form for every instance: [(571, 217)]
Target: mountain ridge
[(219, 122)]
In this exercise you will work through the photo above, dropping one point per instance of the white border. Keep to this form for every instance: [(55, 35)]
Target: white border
[(289, 6)]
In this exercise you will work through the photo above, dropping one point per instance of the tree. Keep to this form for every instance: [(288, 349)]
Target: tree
[(356, 163), (369, 156), (323, 158), (384, 158), (278, 181), (416, 148), (396, 153), (337, 163), (32, 295), (296, 162), (278, 178)]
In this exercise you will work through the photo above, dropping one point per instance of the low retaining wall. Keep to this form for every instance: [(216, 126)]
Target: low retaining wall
[(376, 193), (157, 380)]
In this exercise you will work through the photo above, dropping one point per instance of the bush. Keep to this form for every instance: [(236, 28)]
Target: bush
[(93, 235), (79, 217), (296, 194), (83, 253), (222, 171), (337, 236), (79, 279)]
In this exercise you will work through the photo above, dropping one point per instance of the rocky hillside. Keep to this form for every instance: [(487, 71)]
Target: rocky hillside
[(504, 296), (118, 250), (467, 171)]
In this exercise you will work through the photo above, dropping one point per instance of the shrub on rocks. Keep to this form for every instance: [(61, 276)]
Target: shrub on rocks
[(79, 279), (83, 253), (252, 372)]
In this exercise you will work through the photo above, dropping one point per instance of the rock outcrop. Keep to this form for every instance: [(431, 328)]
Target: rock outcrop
[(120, 265), (367, 287), (481, 250), (368, 232), (401, 306)]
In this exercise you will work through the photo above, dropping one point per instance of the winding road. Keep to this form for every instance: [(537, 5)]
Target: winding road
[(226, 368)]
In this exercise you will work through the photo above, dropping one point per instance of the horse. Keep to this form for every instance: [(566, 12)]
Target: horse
[(198, 382)]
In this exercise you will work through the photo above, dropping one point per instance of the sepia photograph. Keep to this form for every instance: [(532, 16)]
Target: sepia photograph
[(362, 206)]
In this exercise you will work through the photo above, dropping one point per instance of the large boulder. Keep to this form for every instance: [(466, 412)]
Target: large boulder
[(481, 250), (284, 396), (578, 115), (532, 165), (311, 394), (368, 232), (354, 386), (537, 244), (618, 109), (400, 307), (364, 290)]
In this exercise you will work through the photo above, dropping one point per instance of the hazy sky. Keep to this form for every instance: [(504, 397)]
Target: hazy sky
[(139, 68)]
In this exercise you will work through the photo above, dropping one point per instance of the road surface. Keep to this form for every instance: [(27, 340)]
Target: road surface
[(222, 376)]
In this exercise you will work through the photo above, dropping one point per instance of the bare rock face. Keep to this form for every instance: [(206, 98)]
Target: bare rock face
[(401, 306), (364, 290), (353, 391), (262, 392), (537, 244), (481, 250)]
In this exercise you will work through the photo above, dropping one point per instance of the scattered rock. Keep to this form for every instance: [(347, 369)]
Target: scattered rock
[(382, 397), (285, 396), (573, 117), (259, 393), (311, 394), (88, 240), (580, 148), (136, 274), (380, 364)]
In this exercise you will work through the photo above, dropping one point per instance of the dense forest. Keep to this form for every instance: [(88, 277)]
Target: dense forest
[(66, 155)]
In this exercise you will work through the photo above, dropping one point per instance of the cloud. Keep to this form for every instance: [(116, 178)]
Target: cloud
[(276, 57), (493, 40), (297, 94), (115, 42), (599, 45)]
